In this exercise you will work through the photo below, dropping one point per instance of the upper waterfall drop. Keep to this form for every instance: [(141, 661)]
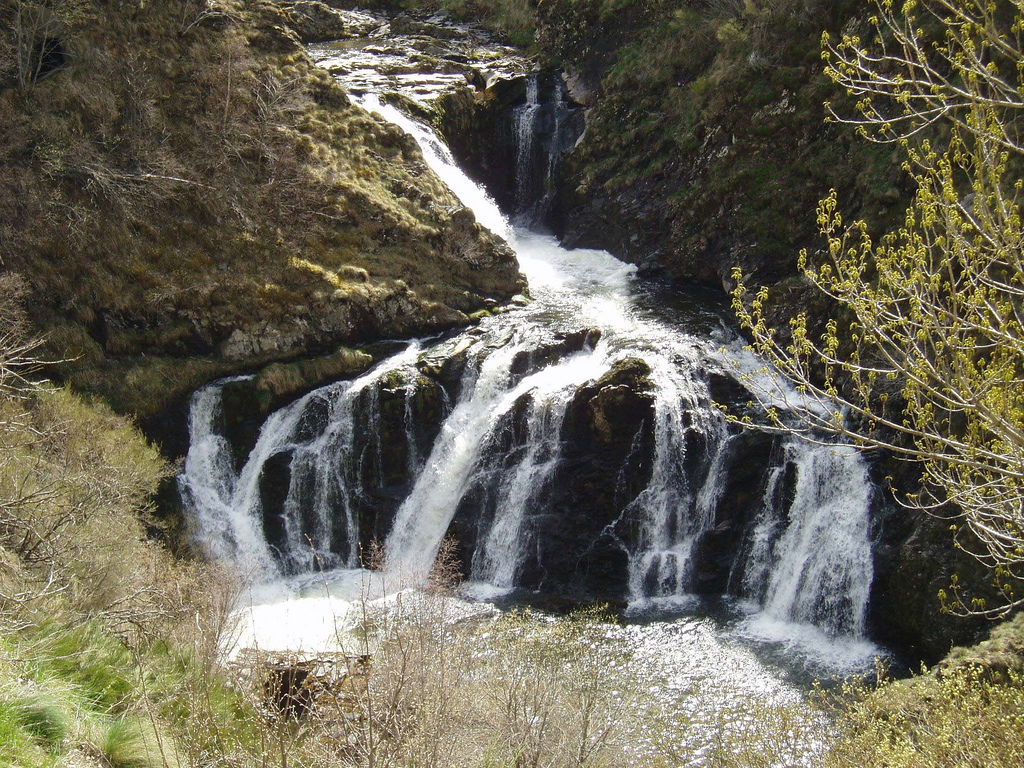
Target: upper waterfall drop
[(544, 129), (524, 122), (441, 162)]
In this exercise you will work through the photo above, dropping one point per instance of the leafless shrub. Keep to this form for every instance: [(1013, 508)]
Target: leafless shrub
[(424, 679), (32, 45), (195, 13)]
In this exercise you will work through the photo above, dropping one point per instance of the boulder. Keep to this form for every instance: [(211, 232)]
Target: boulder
[(316, 22), (607, 455)]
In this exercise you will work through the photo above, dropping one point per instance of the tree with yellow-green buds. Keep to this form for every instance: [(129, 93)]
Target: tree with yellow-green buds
[(925, 353)]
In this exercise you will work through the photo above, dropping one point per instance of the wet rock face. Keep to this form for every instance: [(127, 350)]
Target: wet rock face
[(478, 128), (409, 414), (248, 401), (564, 344), (607, 441), (274, 486), (719, 552), (916, 559)]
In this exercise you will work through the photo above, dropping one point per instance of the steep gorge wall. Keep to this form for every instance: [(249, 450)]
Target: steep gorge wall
[(211, 203), (186, 196), (706, 146)]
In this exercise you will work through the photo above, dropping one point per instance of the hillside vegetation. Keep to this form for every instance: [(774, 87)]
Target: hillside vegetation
[(97, 622), (706, 132), (187, 195)]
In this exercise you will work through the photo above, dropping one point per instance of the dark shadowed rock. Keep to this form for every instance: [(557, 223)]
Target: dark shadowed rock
[(606, 461)]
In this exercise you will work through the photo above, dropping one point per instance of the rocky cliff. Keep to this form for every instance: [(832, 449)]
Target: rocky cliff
[(187, 195), (706, 146)]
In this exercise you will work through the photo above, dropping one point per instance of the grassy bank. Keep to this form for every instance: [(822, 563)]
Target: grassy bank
[(187, 195)]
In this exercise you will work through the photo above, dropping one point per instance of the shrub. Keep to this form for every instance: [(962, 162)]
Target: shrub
[(959, 719)]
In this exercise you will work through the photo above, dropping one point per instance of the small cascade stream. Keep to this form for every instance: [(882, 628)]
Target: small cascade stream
[(545, 128), (524, 119), (572, 445)]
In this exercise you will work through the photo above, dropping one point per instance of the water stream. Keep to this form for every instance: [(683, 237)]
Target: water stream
[(490, 457)]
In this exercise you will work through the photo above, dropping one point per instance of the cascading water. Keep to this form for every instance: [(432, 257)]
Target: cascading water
[(497, 560), (316, 526), (459, 459), (223, 528), (500, 450), (544, 129), (818, 568), (524, 121)]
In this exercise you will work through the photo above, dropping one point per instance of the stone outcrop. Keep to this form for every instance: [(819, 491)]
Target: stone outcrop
[(315, 22), (421, 58)]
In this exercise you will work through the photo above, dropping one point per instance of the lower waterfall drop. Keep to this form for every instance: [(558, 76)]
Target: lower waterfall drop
[(674, 511), (316, 434), (208, 484), (497, 560), (459, 455), (818, 568)]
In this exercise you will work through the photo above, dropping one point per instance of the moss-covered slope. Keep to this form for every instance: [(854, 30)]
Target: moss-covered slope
[(706, 146), (187, 195)]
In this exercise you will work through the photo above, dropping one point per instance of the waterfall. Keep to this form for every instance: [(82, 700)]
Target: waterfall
[(811, 562), (488, 462), (545, 127), (524, 124), (497, 560), (319, 438), (440, 160), (458, 456), (222, 528), (756, 561), (673, 511)]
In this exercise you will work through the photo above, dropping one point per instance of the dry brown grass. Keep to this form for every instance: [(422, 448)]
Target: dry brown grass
[(160, 190)]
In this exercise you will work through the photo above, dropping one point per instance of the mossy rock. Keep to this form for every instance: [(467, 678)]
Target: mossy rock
[(280, 381), (999, 656)]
